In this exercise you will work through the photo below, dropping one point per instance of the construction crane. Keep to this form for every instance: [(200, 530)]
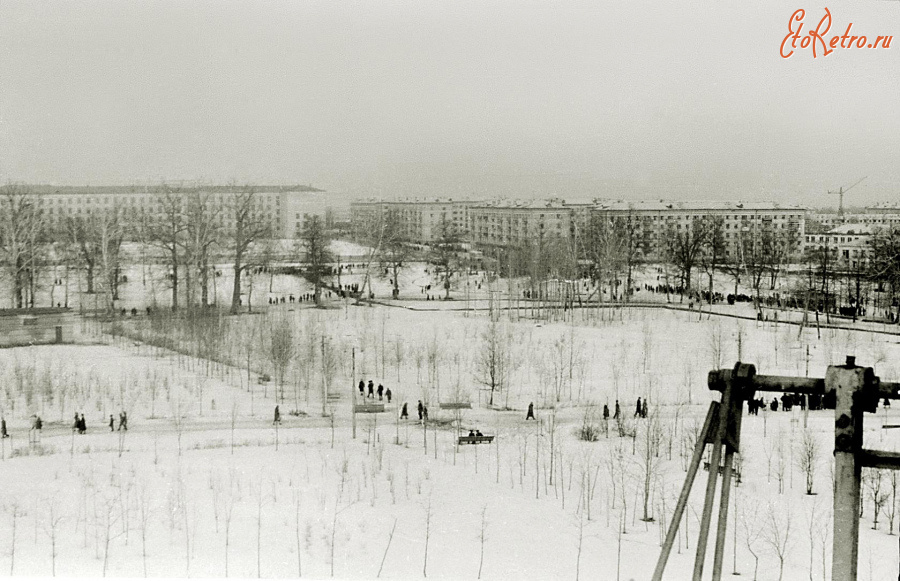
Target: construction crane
[(841, 191)]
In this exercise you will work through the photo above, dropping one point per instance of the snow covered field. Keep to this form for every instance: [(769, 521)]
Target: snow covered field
[(202, 473)]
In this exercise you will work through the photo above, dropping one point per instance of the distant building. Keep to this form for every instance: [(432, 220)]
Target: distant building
[(420, 221), (20, 327), (509, 223), (848, 245), (739, 219), (285, 207)]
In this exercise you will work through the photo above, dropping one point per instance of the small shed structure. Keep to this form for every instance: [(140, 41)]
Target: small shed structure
[(35, 326)]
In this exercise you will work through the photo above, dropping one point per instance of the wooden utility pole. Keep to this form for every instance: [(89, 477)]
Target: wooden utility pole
[(854, 390)]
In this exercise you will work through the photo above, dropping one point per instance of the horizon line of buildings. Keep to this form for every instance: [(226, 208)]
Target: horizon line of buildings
[(497, 224)]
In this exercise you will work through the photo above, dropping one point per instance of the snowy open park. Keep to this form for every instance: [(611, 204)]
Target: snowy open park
[(203, 483)]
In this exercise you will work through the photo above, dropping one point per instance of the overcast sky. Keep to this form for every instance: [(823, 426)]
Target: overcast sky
[(626, 99)]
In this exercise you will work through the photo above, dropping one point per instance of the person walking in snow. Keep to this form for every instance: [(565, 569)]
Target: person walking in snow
[(644, 410), (3, 432), (277, 417), (403, 413), (605, 412), (387, 394), (362, 388), (371, 389), (618, 413), (420, 410), (530, 414), (112, 423), (76, 427), (380, 392), (83, 424), (123, 420), (637, 412)]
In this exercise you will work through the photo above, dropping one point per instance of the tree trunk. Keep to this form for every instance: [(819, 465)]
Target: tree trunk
[(236, 287), (90, 278), (174, 254)]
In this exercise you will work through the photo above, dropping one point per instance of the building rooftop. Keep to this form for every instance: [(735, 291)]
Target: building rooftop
[(857, 229), (695, 206), (155, 189)]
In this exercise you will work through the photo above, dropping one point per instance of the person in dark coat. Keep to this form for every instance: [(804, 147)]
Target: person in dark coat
[(362, 388), (380, 392), (3, 432), (420, 410), (83, 424), (371, 389), (425, 412), (123, 420), (605, 412), (618, 413), (387, 394), (112, 423), (403, 413), (530, 414), (277, 416), (644, 410), (471, 433), (76, 427), (639, 410)]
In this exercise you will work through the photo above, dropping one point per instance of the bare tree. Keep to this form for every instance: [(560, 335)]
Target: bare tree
[(684, 246), (245, 227), (650, 437), (491, 360), (14, 509), (315, 239), (51, 529), (875, 490), (281, 350), (203, 233), (777, 533), (395, 251), (22, 229), (884, 266), (808, 457), (713, 253), (445, 254), (165, 228)]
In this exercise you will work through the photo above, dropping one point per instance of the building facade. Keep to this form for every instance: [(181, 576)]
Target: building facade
[(284, 207), (848, 245), (654, 220), (420, 221)]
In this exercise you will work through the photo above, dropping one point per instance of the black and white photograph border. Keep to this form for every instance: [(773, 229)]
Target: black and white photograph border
[(455, 290)]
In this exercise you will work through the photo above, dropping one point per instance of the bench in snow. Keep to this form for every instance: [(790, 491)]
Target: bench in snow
[(476, 439)]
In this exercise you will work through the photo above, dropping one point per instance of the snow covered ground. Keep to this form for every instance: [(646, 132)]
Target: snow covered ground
[(202, 473)]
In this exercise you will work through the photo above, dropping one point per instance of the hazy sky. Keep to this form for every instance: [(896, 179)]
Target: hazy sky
[(630, 99)]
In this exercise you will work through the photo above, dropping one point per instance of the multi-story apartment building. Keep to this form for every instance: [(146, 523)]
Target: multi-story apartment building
[(501, 223), (284, 207), (420, 221), (883, 215), (848, 245), (653, 221), (505, 224)]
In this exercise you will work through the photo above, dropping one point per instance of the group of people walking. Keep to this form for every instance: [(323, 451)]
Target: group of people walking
[(641, 410), (421, 408), (381, 391)]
